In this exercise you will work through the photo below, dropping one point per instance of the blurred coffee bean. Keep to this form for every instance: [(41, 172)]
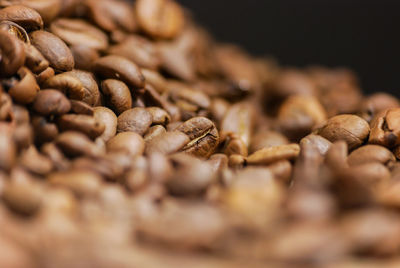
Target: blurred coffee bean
[(137, 120)]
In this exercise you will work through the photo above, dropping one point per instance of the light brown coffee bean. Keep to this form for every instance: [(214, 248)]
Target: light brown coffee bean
[(35, 162), (350, 128), (129, 142), (91, 92), (218, 162), (23, 136), (108, 119), (117, 94), (137, 120), (78, 32), (376, 103), (268, 138), (167, 143), (385, 128), (273, 154), (48, 9), (203, 135), (51, 102), (23, 16), (370, 153), (155, 79), (25, 90), (139, 50), (53, 49), (23, 197), (160, 18), (117, 67), (57, 157), (74, 143), (233, 144), (9, 150), (70, 85), (35, 61), (159, 116), (44, 75), (318, 141), (12, 54), (111, 15), (21, 114), (80, 182), (86, 124), (153, 132)]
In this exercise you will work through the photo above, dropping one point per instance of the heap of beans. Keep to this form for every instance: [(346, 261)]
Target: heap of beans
[(130, 138)]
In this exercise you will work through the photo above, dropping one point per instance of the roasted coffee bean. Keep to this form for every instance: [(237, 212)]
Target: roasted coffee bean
[(35, 162), (23, 197), (25, 90), (375, 103), (21, 114), (78, 32), (350, 128), (44, 129), (159, 116), (167, 143), (23, 136), (9, 150), (91, 93), (139, 50), (56, 156), (48, 9), (160, 18), (86, 124), (370, 153), (318, 141), (233, 144), (12, 54), (74, 143), (156, 80), (80, 107), (53, 49), (118, 67), (23, 16), (129, 142), (15, 30), (70, 85), (273, 154), (51, 102), (108, 118), (44, 75), (137, 120), (80, 182), (84, 56), (153, 132), (35, 61), (268, 138), (385, 128), (117, 94), (112, 15), (203, 136)]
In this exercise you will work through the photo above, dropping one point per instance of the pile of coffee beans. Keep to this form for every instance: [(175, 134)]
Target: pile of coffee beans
[(130, 138)]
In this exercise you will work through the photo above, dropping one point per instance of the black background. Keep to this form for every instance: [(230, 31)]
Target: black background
[(360, 34)]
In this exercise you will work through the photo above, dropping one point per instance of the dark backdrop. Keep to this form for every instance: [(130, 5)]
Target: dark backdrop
[(360, 34)]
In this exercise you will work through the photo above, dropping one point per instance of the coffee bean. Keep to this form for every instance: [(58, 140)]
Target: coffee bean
[(47, 9), (12, 54), (159, 115), (167, 143), (203, 136), (86, 124), (385, 128), (23, 16), (153, 132), (117, 94), (160, 18), (74, 143), (129, 142), (118, 67), (25, 90), (80, 107), (70, 85), (91, 93), (318, 141), (350, 128), (24, 198), (273, 154), (51, 102), (108, 118), (80, 182), (268, 138), (53, 49), (78, 32), (9, 149), (370, 153), (84, 56), (137, 120), (44, 129), (35, 61), (376, 103)]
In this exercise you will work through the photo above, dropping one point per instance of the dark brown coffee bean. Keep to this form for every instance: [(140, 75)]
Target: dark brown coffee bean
[(137, 120), (84, 56), (160, 18), (129, 142), (203, 134), (112, 15), (53, 49), (350, 128), (370, 153), (117, 94), (25, 90), (139, 50), (117, 67), (159, 115), (12, 54), (51, 102), (44, 129), (35, 61), (78, 32), (109, 120), (23, 16), (74, 143), (80, 107), (88, 125), (167, 143)]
